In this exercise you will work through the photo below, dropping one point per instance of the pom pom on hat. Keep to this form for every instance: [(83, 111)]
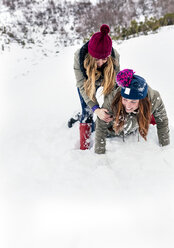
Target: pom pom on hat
[(124, 77), (104, 29), (100, 44)]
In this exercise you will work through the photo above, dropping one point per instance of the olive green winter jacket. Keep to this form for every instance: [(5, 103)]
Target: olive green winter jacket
[(104, 129), (80, 78)]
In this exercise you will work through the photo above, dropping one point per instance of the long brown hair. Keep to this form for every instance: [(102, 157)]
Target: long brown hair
[(93, 74), (143, 115)]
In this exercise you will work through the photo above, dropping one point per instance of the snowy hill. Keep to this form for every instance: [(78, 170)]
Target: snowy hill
[(30, 23), (55, 195)]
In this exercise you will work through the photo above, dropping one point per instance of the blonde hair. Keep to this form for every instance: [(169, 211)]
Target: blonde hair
[(143, 116), (93, 75)]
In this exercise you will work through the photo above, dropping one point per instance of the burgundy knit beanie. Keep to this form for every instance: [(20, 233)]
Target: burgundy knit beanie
[(100, 44)]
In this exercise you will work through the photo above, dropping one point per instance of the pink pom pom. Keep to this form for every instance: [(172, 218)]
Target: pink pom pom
[(105, 29), (124, 77)]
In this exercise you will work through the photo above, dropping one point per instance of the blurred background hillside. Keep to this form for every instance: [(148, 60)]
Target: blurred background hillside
[(29, 22)]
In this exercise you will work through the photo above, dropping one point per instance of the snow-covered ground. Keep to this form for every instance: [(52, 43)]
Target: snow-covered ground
[(55, 195)]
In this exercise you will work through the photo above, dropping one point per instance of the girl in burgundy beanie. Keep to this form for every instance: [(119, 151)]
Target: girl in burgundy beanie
[(96, 64)]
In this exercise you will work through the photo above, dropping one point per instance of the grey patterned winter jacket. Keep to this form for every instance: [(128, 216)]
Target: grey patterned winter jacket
[(104, 129), (80, 72)]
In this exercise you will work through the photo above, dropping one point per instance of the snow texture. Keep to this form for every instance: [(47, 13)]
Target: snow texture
[(55, 195)]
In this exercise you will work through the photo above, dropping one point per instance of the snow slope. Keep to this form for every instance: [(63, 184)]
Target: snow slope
[(55, 195)]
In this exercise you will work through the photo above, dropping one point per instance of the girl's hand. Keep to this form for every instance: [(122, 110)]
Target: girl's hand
[(103, 114)]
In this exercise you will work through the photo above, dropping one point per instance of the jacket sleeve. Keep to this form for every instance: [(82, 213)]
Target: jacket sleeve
[(161, 119), (101, 130), (80, 81), (100, 136)]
